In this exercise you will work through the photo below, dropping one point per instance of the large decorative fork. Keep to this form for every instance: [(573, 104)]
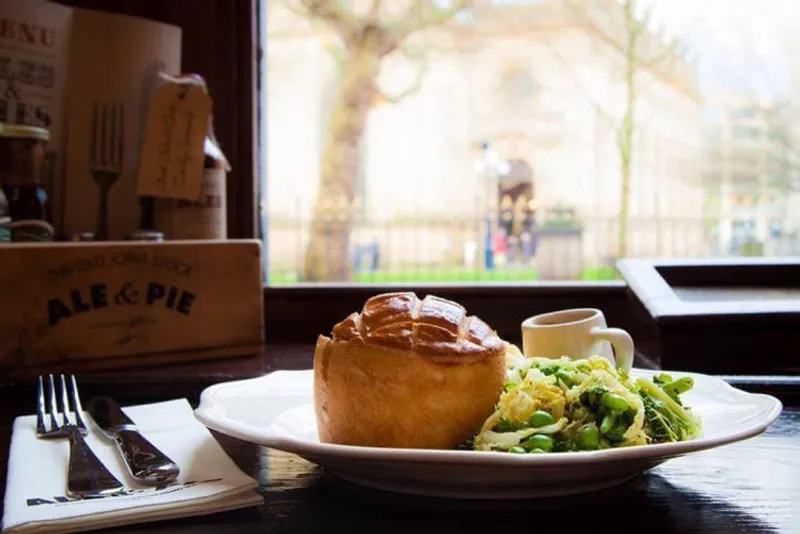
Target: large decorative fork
[(87, 476), (107, 156)]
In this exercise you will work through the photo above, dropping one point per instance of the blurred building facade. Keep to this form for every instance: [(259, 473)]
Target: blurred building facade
[(751, 174), (542, 85)]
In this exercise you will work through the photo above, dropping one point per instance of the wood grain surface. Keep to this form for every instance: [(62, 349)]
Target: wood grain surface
[(64, 302)]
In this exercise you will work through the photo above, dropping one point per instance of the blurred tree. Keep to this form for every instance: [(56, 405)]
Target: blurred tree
[(627, 28), (365, 38)]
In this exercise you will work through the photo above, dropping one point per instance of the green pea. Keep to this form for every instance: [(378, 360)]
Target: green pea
[(608, 423), (539, 441), (540, 418), (516, 449), (565, 377), (588, 437), (615, 402), (537, 451)]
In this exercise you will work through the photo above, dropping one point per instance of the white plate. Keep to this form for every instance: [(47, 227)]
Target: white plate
[(276, 410)]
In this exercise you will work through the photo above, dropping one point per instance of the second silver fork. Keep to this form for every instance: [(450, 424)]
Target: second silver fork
[(87, 477)]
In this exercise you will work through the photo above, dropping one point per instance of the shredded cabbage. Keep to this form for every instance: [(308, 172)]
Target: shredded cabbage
[(556, 405)]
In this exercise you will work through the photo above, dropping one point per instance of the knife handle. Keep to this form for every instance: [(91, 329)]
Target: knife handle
[(145, 462)]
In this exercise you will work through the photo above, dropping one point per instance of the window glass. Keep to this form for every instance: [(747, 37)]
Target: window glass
[(412, 141)]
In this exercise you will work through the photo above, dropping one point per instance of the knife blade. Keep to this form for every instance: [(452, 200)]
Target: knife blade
[(144, 461)]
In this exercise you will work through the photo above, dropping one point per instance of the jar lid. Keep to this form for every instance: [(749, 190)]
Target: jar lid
[(144, 235), (23, 131), (79, 236)]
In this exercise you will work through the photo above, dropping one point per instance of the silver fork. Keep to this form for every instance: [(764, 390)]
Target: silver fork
[(87, 476)]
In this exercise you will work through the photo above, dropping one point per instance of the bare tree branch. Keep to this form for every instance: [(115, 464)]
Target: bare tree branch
[(422, 14), (674, 49), (335, 13), (592, 27), (635, 27), (338, 55), (411, 89), (295, 8), (375, 10), (414, 53), (582, 86), (336, 51)]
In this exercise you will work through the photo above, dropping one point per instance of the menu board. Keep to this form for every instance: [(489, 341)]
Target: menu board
[(34, 46)]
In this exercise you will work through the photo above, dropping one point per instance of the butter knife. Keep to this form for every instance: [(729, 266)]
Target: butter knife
[(145, 462)]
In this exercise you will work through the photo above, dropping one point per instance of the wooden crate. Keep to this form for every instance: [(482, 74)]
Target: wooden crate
[(66, 302)]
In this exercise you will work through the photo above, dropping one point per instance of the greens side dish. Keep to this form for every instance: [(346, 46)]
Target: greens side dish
[(579, 405)]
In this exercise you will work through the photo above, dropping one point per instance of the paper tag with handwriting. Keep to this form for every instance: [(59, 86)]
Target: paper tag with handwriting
[(172, 152)]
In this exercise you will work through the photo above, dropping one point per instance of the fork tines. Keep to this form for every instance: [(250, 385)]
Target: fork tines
[(51, 406), (108, 136)]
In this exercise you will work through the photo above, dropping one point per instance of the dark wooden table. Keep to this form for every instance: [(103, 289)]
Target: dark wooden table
[(752, 486)]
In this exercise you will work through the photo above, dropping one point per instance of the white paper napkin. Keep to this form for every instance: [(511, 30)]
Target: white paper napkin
[(209, 480)]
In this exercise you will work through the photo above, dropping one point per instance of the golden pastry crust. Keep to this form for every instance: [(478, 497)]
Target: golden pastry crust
[(433, 326), (407, 373)]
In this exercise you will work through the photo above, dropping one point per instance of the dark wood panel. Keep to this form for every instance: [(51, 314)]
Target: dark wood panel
[(733, 315), (186, 379), (299, 314), (220, 42), (750, 272), (785, 388), (754, 348), (722, 291)]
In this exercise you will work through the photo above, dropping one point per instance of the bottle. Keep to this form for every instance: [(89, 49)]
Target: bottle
[(205, 217), (78, 237), (144, 235), (5, 219), (22, 175)]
